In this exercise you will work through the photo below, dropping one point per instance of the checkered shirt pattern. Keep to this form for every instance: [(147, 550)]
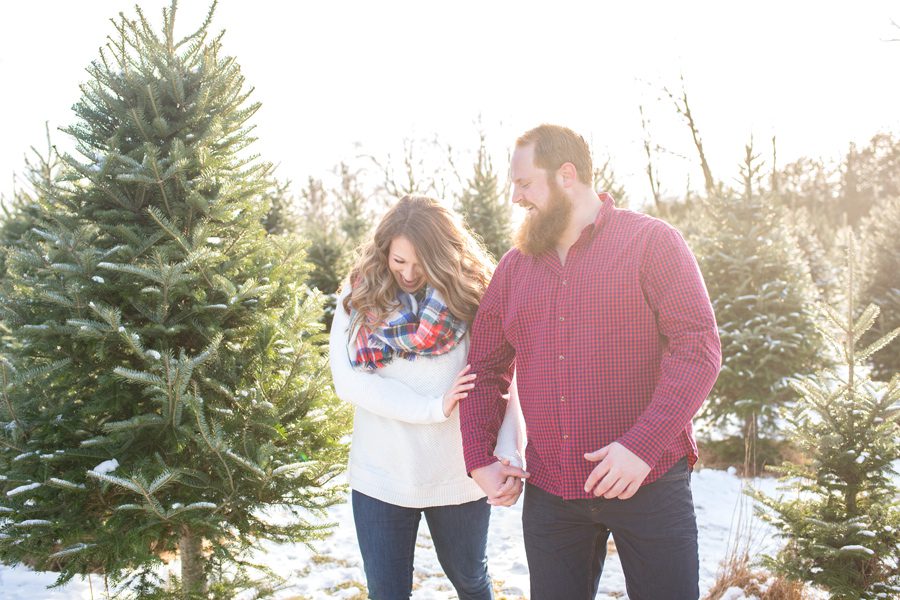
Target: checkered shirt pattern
[(618, 344)]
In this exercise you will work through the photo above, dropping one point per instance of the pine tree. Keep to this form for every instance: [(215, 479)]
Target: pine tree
[(169, 388), (880, 280), (842, 523), (327, 252), (42, 176), (760, 290), (484, 208), (282, 218)]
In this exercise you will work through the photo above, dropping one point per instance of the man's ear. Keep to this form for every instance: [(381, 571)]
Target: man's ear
[(567, 174)]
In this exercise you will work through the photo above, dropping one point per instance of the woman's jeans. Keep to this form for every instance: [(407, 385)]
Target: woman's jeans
[(387, 541)]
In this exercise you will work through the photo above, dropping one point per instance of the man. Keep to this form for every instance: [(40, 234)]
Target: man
[(605, 316)]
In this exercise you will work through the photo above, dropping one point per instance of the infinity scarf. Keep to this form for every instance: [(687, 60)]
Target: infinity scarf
[(421, 326)]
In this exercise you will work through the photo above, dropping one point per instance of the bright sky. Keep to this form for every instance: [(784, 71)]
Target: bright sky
[(339, 78)]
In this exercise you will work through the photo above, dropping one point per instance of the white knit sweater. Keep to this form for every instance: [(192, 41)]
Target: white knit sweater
[(404, 450)]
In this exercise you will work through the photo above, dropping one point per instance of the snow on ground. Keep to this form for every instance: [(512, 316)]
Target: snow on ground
[(336, 570)]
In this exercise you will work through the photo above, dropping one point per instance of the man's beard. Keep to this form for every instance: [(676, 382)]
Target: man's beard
[(543, 228)]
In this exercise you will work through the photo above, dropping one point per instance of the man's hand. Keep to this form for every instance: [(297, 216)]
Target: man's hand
[(501, 481), (619, 474)]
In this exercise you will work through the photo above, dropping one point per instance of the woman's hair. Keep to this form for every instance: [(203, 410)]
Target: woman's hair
[(455, 264)]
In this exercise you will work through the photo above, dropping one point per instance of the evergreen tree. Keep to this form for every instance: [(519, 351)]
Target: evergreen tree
[(42, 176), (282, 218), (842, 523), (760, 288), (326, 249), (169, 387), (485, 210), (355, 218), (880, 281), (820, 260)]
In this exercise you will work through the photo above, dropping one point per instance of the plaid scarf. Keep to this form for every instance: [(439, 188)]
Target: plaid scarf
[(421, 326)]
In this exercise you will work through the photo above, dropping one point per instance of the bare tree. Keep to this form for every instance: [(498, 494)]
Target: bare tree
[(684, 109), (652, 172)]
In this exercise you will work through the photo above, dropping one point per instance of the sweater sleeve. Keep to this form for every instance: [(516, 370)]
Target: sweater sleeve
[(383, 396), (491, 356), (511, 437)]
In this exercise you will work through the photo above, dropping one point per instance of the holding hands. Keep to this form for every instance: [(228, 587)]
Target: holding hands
[(501, 481)]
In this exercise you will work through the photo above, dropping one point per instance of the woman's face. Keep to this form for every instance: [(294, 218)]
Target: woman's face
[(404, 264)]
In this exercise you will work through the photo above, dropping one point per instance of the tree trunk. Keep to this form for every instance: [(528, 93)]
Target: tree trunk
[(193, 576)]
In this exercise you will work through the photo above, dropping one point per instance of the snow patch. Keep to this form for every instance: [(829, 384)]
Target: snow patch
[(23, 488), (107, 466)]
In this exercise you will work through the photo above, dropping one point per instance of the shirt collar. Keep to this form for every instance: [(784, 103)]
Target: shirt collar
[(607, 204)]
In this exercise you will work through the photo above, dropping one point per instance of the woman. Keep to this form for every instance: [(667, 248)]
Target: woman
[(398, 353)]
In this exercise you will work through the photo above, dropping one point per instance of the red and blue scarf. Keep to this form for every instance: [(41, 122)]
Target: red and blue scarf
[(420, 326)]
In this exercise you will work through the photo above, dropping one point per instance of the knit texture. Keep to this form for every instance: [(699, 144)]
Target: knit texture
[(404, 450)]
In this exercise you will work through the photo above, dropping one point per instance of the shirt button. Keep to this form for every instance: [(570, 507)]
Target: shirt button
[(561, 357), (565, 436), (561, 319), (565, 282), (562, 398)]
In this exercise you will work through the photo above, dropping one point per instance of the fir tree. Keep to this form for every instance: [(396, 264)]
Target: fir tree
[(880, 281), (326, 249), (169, 387), (282, 218), (42, 176), (759, 286), (842, 524), (484, 208)]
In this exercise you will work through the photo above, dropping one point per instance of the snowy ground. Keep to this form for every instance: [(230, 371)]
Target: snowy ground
[(336, 571)]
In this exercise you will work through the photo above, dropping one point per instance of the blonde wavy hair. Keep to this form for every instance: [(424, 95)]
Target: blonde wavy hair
[(454, 262)]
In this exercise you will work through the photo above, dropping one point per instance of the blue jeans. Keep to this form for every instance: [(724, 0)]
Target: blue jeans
[(655, 532), (387, 541)]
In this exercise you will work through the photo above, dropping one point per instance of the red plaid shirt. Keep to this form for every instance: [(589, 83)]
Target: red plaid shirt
[(619, 344)]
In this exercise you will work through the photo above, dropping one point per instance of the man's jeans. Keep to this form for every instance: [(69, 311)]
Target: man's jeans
[(655, 533), (387, 541)]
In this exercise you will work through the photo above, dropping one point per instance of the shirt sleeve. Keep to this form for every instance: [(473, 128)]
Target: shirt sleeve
[(382, 396), (674, 289), (491, 357)]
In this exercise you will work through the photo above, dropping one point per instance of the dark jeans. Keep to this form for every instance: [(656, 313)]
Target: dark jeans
[(655, 533), (387, 541)]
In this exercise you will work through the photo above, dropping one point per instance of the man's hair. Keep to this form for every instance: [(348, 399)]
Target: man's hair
[(555, 145)]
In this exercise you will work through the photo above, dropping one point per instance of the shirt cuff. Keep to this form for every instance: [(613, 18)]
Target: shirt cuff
[(648, 448), (478, 462)]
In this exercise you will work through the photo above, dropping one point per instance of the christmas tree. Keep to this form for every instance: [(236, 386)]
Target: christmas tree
[(761, 290), (484, 208), (842, 524), (168, 389), (880, 280)]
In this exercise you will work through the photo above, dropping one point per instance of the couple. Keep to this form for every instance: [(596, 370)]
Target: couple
[(604, 318)]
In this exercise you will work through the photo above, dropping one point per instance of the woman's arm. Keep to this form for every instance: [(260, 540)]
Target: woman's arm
[(511, 437), (382, 396)]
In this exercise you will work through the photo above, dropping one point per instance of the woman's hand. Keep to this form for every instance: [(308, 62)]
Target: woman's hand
[(459, 390)]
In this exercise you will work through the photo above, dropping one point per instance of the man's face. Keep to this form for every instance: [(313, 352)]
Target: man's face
[(549, 209)]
